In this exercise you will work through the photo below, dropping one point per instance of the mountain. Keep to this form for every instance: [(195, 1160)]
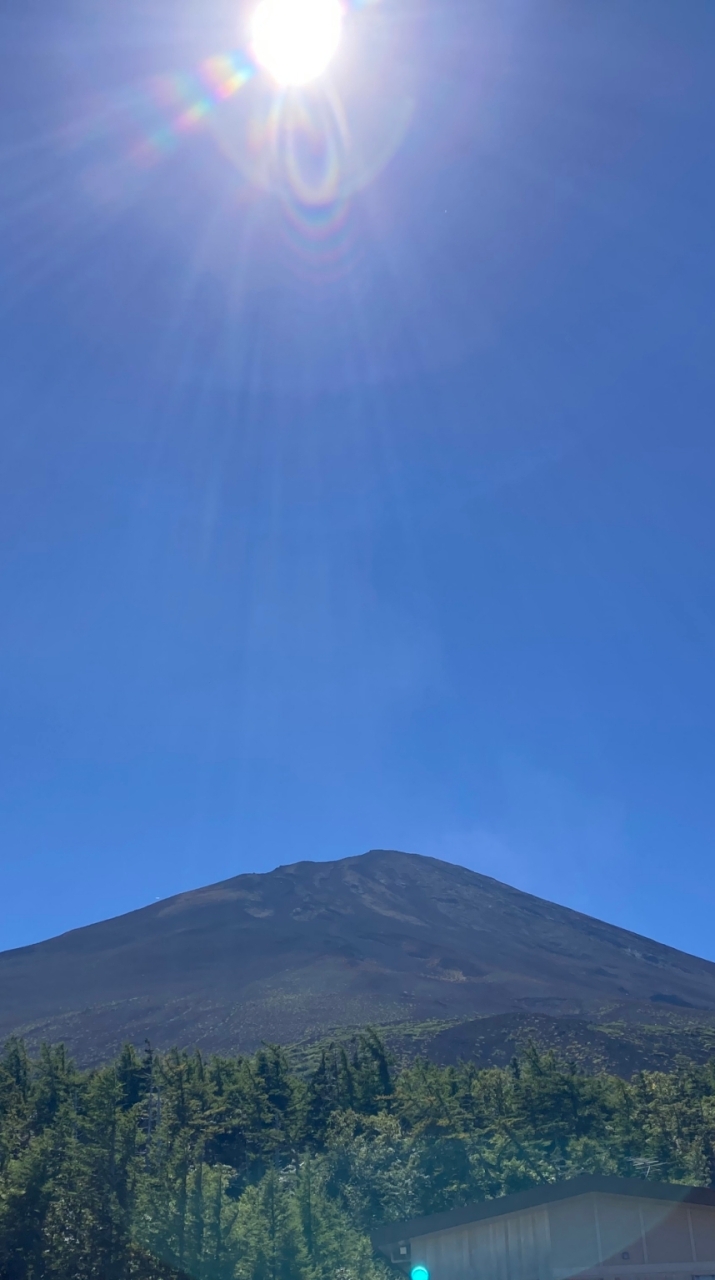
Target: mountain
[(386, 938)]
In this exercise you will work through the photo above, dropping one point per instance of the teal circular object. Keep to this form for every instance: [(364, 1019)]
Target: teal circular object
[(419, 1273)]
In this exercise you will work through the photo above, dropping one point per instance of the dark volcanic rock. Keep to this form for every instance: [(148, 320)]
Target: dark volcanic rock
[(621, 1045), (386, 937)]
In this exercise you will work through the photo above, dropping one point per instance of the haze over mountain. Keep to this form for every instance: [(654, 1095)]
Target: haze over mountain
[(387, 937)]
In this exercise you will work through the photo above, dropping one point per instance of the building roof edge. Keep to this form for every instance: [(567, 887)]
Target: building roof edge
[(546, 1193)]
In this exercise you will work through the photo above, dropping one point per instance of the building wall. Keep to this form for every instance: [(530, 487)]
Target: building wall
[(515, 1247), (597, 1236)]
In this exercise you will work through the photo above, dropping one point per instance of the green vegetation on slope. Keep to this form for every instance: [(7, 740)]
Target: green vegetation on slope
[(242, 1169)]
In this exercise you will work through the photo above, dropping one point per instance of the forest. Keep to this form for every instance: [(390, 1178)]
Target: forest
[(169, 1166)]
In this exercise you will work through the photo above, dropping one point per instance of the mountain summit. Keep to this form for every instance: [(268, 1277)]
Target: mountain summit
[(387, 937)]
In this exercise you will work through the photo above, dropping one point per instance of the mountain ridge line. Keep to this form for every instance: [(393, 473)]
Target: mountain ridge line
[(393, 937)]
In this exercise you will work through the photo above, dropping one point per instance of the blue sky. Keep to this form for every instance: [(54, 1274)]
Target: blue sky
[(395, 531)]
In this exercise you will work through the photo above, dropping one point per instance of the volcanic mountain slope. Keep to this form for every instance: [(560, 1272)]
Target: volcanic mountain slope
[(383, 938)]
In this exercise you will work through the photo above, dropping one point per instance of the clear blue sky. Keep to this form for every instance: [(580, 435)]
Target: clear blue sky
[(397, 533)]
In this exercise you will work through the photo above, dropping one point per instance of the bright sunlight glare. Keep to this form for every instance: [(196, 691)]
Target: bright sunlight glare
[(294, 40)]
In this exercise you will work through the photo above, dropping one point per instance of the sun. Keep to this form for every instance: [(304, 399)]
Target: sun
[(294, 40)]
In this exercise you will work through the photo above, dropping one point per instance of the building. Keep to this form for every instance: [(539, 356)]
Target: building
[(591, 1227)]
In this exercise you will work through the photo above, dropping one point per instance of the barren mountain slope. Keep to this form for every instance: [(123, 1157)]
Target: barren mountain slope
[(385, 937)]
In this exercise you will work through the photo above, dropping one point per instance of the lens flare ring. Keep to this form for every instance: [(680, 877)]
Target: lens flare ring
[(312, 145)]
